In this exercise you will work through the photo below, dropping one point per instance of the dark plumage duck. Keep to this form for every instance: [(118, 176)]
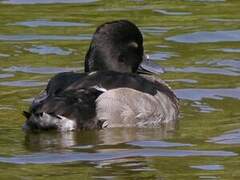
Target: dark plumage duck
[(110, 93)]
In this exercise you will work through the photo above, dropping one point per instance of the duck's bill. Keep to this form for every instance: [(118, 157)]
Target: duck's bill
[(148, 66)]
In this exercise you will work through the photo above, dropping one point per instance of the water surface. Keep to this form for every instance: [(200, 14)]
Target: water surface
[(192, 44)]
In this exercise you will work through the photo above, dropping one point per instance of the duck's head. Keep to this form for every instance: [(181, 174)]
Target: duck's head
[(115, 46)]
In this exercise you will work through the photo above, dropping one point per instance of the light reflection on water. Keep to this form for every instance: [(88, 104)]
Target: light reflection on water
[(44, 22), (207, 37), (200, 94), (56, 158), (39, 70), (44, 50), (23, 83), (190, 42), (231, 137), (24, 37), (45, 1)]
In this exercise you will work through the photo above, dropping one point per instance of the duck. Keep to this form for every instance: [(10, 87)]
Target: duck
[(115, 89)]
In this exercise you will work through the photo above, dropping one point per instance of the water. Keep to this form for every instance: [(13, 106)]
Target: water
[(195, 41)]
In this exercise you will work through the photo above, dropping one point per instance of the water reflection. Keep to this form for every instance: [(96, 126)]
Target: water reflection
[(24, 37), (55, 141), (45, 141), (45, 1), (39, 70), (161, 55), (157, 144), (6, 75), (223, 20), (172, 13), (199, 94), (207, 37), (155, 30), (207, 0), (45, 22), (23, 83), (203, 107), (191, 81), (228, 50), (58, 158), (204, 70), (4, 55), (208, 167), (45, 50), (231, 137)]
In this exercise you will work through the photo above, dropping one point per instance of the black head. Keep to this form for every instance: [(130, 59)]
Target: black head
[(115, 46)]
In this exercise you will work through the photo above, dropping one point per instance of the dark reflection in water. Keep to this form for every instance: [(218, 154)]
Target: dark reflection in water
[(207, 37), (231, 137), (55, 141), (45, 141), (48, 23)]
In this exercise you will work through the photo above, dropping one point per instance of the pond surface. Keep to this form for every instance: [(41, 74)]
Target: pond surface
[(196, 41)]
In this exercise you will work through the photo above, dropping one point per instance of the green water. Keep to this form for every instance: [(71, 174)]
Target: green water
[(198, 43)]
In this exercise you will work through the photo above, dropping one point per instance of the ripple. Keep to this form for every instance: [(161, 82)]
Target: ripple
[(58, 158), (230, 63), (161, 56), (192, 81), (155, 30), (209, 167), (23, 83), (44, 22), (157, 144), (231, 137), (171, 13), (24, 37), (204, 108), (228, 50), (207, 37), (199, 94), (6, 76), (223, 20), (45, 1), (45, 50), (204, 70), (7, 107), (39, 70), (207, 0), (4, 55)]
